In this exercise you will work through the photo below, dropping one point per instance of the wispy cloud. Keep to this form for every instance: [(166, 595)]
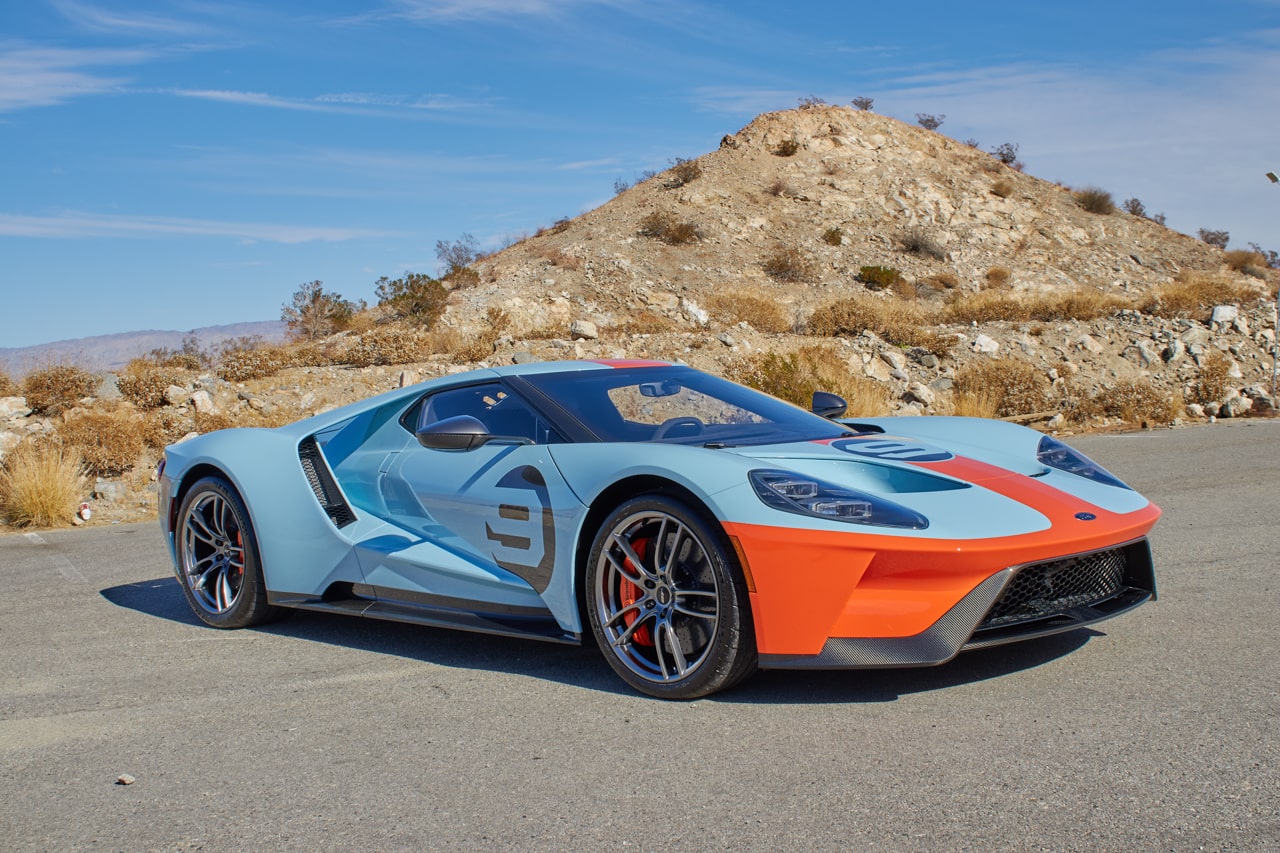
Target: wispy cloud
[(40, 76), (352, 103), (470, 10), (76, 224), (101, 20)]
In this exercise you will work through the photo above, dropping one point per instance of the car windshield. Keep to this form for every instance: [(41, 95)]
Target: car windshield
[(679, 405)]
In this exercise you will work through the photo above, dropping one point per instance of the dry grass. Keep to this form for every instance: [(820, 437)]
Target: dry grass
[(943, 281), (143, 383), (389, 344), (898, 322), (644, 322), (787, 264), (758, 309), (1241, 259), (1140, 400), (1002, 187), (1193, 295), (1095, 200), (163, 427), (40, 486), (997, 277), (52, 390), (988, 306), (1214, 380), (921, 241), (8, 388), (665, 227), (794, 377), (240, 364), (1014, 387), (109, 442)]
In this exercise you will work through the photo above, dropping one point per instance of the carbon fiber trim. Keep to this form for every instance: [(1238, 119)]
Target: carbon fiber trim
[(937, 644)]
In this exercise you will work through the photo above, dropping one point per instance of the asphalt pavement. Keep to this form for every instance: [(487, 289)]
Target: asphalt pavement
[(1159, 730)]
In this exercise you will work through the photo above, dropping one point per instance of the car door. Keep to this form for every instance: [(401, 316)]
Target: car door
[(483, 528)]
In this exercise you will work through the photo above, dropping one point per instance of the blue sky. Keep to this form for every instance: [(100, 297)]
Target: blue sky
[(170, 165)]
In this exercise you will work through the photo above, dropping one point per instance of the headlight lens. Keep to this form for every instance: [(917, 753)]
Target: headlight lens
[(1055, 454), (791, 492)]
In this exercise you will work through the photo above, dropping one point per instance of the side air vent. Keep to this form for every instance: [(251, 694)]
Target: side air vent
[(321, 480)]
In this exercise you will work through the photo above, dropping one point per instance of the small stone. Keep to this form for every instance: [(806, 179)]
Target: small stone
[(894, 359), (726, 339), (695, 312), (1223, 315), (985, 344), (523, 357), (203, 403), (917, 393), (125, 779), (1089, 344), (14, 407), (583, 330), (176, 395)]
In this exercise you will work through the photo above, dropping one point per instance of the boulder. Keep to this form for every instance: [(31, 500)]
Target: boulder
[(583, 330), (14, 407)]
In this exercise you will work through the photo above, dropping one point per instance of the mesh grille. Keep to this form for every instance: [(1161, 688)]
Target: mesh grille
[(321, 482), (1048, 589)]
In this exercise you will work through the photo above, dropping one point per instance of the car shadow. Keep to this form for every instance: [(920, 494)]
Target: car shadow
[(583, 666)]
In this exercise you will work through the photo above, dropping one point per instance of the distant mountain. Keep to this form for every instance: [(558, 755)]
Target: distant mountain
[(111, 352)]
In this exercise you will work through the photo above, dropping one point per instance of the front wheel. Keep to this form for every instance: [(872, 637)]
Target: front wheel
[(218, 561), (667, 601)]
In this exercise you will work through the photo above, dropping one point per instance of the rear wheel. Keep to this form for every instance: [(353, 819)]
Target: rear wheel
[(667, 601), (218, 560)]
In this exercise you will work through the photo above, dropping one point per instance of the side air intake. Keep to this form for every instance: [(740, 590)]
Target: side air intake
[(322, 483)]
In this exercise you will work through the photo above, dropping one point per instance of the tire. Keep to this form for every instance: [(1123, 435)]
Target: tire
[(667, 601), (218, 562)]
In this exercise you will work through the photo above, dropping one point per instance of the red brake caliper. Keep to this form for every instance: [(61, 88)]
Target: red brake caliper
[(629, 594)]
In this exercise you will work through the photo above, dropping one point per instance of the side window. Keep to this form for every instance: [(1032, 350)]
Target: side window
[(501, 412)]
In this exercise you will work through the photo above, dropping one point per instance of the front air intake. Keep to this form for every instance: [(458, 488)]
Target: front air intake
[(322, 483)]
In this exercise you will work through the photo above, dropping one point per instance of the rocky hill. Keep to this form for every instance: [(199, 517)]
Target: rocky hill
[(923, 269)]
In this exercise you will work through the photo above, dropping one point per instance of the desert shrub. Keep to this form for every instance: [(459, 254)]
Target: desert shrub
[(1003, 188), (109, 442), (457, 255), (1193, 295), (1017, 387), (1006, 152), (211, 422), (810, 102), (162, 427), (787, 148), (391, 344), (1241, 260), (558, 258), (972, 143), (683, 171), (997, 276), (1157, 218), (862, 102), (40, 486), (929, 121), (1214, 238), (414, 297), (759, 310), (944, 280), (833, 236), (1139, 400), (8, 388), (620, 186), (1214, 380), (787, 264), (1095, 200), (643, 322), (143, 383), (920, 241), (244, 363), (878, 278), (780, 188), (899, 323), (1270, 257), (189, 356), (482, 344), (54, 389), (1135, 207), (795, 376), (317, 313), (665, 227), (561, 225), (990, 306)]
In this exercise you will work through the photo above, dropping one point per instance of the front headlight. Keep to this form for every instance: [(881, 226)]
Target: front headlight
[(791, 492), (1055, 454)]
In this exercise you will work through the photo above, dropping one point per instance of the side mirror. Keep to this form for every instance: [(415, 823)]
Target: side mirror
[(828, 405), (462, 432)]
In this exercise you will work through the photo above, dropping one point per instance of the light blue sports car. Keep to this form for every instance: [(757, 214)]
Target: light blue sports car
[(697, 529)]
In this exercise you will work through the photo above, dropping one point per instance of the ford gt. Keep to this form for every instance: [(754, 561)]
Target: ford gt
[(694, 529)]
